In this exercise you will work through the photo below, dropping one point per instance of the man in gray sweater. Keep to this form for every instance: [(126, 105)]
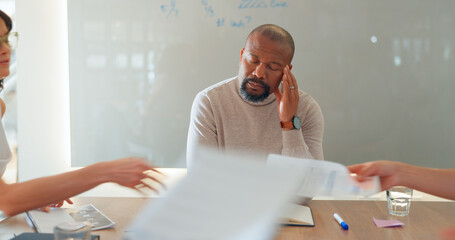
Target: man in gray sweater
[(242, 114)]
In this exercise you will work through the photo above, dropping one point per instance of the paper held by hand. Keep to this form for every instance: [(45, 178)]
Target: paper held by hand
[(324, 178)]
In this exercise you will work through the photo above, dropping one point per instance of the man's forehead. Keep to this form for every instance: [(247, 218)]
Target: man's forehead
[(258, 44), (277, 56)]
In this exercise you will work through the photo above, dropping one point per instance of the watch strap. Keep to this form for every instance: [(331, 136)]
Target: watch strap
[(287, 125)]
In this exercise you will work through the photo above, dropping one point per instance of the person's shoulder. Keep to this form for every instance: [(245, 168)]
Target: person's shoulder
[(306, 97), (217, 94), (220, 87)]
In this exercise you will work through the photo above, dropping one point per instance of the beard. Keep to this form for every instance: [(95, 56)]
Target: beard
[(250, 96)]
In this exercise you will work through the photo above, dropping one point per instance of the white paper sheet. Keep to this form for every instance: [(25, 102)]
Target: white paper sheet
[(2, 216), (45, 222), (323, 178), (223, 197)]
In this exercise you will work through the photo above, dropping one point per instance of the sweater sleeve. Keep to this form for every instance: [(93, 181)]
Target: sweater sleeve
[(306, 142), (202, 129)]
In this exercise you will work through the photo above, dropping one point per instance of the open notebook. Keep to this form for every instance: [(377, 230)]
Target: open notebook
[(298, 215)]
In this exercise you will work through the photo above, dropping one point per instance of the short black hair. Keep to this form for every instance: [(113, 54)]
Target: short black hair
[(275, 33), (9, 25)]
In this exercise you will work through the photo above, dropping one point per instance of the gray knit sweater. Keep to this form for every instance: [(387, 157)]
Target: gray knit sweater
[(221, 118)]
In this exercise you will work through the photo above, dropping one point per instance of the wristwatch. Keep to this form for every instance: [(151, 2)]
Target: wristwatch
[(295, 123)]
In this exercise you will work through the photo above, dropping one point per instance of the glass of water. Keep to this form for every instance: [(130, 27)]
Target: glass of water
[(72, 231), (399, 200)]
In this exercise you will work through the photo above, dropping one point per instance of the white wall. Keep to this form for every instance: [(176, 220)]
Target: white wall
[(43, 94)]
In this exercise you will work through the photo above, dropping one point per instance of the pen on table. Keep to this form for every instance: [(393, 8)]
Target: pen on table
[(340, 221)]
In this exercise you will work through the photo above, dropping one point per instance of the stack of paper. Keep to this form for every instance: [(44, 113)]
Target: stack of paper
[(223, 197)]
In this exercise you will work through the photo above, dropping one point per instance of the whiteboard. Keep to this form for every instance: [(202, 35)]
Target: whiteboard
[(382, 71)]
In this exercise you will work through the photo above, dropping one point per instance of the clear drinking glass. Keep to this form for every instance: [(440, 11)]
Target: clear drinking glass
[(399, 200), (73, 231)]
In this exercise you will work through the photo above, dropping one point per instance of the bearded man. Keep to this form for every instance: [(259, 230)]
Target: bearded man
[(261, 110)]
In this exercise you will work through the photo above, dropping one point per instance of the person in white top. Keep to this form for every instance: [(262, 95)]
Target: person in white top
[(5, 153), (19, 197)]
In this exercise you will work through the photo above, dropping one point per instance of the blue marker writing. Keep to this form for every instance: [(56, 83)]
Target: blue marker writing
[(340, 221)]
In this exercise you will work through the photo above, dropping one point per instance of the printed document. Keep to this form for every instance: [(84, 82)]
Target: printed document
[(323, 178), (224, 197)]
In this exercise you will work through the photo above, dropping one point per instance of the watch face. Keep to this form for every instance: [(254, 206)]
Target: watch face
[(296, 122)]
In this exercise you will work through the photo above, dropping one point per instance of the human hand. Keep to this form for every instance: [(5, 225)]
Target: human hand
[(288, 100), (132, 172), (448, 233), (59, 204), (386, 170)]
